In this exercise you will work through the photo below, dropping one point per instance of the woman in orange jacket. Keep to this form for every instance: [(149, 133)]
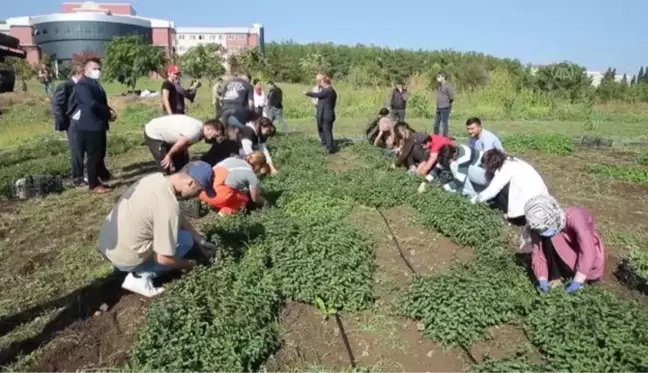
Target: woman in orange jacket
[(236, 183)]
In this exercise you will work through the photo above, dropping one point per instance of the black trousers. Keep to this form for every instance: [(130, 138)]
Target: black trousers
[(160, 149), (76, 157), (557, 268), (325, 130), (93, 145)]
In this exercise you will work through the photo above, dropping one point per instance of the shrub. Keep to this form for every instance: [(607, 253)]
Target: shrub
[(548, 143)]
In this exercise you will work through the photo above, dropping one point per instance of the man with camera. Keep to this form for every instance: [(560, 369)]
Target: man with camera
[(173, 94)]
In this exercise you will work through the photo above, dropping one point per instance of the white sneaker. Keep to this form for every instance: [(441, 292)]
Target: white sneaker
[(142, 285)]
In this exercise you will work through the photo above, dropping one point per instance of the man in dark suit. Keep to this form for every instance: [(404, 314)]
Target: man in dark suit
[(90, 124), (326, 100), (63, 106)]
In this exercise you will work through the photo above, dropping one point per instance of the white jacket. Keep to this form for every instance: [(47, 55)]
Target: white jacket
[(525, 183)]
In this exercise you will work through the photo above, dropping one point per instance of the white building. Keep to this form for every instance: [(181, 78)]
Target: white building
[(232, 39)]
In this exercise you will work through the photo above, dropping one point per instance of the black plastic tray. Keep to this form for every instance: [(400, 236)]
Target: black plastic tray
[(630, 278)]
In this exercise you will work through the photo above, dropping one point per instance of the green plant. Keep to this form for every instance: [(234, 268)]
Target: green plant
[(638, 261), (128, 58), (222, 318), (456, 218), (515, 364), (548, 143), (642, 159), (594, 331), (315, 207), (632, 174)]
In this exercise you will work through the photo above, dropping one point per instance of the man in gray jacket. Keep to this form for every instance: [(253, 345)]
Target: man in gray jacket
[(444, 98)]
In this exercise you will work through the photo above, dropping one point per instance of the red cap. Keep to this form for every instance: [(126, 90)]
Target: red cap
[(173, 69)]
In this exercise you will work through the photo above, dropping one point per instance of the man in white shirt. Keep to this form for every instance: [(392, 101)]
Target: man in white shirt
[(169, 138)]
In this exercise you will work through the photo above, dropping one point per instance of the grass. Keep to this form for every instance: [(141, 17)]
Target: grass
[(48, 247), (27, 116)]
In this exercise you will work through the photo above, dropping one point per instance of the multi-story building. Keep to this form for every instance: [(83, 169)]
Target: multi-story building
[(89, 26), (232, 39)]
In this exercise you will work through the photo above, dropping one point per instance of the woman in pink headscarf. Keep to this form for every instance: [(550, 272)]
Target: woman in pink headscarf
[(566, 243)]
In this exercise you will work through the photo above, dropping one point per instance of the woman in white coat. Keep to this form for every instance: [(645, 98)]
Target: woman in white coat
[(511, 183)]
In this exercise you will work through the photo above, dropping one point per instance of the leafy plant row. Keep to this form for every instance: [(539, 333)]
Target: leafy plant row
[(220, 318), (551, 143), (631, 174), (592, 331), (49, 156)]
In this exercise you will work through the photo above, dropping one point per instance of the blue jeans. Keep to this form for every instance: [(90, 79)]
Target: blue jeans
[(441, 121), (185, 243), (475, 181), (233, 122)]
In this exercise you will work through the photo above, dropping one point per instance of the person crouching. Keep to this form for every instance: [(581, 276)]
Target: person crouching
[(566, 244), (236, 183)]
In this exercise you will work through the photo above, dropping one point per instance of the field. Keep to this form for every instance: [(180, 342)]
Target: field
[(348, 253)]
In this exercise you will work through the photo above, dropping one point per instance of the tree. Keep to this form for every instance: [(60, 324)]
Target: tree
[(641, 77), (204, 61), (128, 58), (248, 61)]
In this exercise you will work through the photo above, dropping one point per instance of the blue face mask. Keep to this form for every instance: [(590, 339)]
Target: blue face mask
[(550, 232)]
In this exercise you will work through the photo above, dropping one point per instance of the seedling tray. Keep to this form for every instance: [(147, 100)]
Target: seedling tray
[(626, 275)]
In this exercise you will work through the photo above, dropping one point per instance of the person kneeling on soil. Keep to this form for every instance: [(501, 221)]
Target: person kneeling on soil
[(254, 137), (145, 234), (169, 138), (566, 244), (380, 131), (409, 146), (236, 183), (434, 144), (224, 147), (468, 178)]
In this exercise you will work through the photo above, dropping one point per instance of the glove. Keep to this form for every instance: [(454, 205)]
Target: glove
[(544, 286), (573, 287), (421, 187), (474, 200)]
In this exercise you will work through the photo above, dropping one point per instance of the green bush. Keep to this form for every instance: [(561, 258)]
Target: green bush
[(631, 174), (638, 261), (456, 218), (594, 331), (41, 148), (374, 187), (547, 143), (315, 208), (217, 319)]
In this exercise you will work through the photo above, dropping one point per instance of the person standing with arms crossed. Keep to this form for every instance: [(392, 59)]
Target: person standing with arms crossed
[(445, 96), (398, 103), (326, 100)]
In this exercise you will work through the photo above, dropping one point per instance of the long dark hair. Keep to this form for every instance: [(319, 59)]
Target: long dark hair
[(447, 154), (492, 161), (398, 138)]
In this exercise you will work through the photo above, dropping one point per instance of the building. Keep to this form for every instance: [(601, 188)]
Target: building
[(232, 39), (89, 26)]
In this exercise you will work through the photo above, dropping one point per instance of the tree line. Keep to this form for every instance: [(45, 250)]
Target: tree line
[(129, 58)]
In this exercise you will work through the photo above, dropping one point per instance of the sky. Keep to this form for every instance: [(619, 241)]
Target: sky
[(594, 33)]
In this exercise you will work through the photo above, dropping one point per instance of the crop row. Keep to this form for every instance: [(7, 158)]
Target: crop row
[(303, 249)]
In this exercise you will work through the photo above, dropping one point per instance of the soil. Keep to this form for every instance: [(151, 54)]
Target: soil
[(505, 341), (100, 341), (344, 160)]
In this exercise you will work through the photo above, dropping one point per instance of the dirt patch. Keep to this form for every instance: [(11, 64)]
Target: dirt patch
[(379, 342), (345, 160), (35, 262), (426, 251), (308, 340), (505, 341), (103, 340)]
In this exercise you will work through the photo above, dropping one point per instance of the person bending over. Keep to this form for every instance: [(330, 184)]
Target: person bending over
[(224, 146), (410, 147), (566, 244), (169, 138), (511, 183), (254, 137), (146, 235), (383, 137), (464, 163), (236, 183), (434, 144)]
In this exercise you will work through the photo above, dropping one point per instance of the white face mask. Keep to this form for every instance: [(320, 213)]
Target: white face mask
[(95, 74)]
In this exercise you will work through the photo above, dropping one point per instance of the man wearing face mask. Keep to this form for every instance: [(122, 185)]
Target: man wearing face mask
[(90, 122), (566, 244)]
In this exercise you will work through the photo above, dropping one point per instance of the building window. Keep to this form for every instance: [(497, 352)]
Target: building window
[(200, 37), (212, 37), (241, 37), (181, 37), (192, 37), (231, 36)]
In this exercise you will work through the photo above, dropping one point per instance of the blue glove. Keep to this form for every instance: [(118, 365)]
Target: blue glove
[(573, 287), (544, 286)]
